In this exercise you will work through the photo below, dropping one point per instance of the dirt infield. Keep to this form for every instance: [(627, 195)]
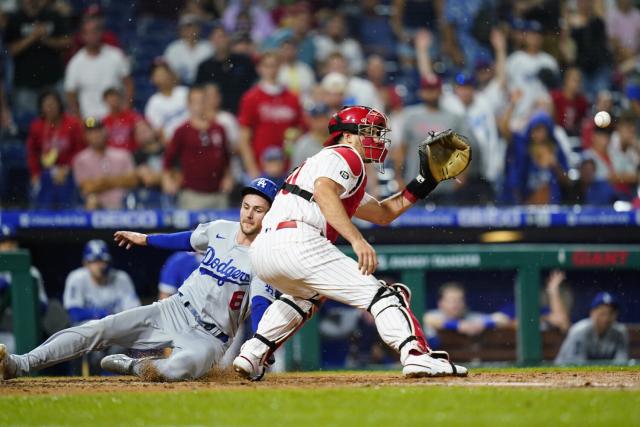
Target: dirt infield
[(227, 380)]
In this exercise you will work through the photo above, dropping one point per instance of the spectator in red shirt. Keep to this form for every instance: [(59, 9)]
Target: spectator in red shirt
[(267, 111), (120, 122), (54, 139), (570, 104), (199, 147)]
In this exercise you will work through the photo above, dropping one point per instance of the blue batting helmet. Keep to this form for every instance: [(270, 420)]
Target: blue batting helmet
[(262, 187), (96, 250)]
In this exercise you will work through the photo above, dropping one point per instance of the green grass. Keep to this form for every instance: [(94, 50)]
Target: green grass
[(377, 406)]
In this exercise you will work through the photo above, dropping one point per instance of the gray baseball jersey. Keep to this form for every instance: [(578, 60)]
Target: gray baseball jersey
[(116, 295), (582, 344), (219, 291)]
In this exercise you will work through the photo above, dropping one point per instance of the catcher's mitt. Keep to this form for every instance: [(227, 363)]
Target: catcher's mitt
[(444, 155)]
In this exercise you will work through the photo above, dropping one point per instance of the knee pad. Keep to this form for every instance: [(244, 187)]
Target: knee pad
[(385, 298)]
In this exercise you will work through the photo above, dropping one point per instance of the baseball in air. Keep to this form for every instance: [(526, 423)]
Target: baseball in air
[(602, 119)]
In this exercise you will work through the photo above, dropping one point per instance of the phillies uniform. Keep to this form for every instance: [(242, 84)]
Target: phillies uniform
[(198, 322)]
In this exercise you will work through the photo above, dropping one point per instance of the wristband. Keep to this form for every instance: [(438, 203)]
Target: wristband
[(451, 325), (420, 187), (489, 323)]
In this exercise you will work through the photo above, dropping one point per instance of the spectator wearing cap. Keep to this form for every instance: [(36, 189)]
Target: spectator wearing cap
[(418, 120), (268, 112), (35, 37), (274, 165), (233, 73), (600, 153), (54, 140), (570, 105), (196, 161), (310, 143), (121, 121), (598, 338), (294, 74), (536, 170), (103, 174), (9, 243), (523, 73), (166, 109), (296, 24), (591, 54), (95, 68), (185, 54), (332, 92)]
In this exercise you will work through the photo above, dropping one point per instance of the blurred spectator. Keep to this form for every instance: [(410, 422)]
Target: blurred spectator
[(166, 110), (387, 92), (148, 159), (333, 39), (108, 37), (623, 27), (274, 165), (480, 108), (600, 154), (588, 190), (9, 243), (185, 54), (592, 53), (121, 121), (214, 113), (555, 304), (359, 91), (412, 15), (598, 338), (233, 73), (418, 121), (35, 36), (536, 165), (205, 10), (199, 149), (54, 140), (309, 144), (524, 68), (624, 152), (267, 112), (294, 74), (459, 21), (97, 290), (375, 31), (248, 16), (103, 174), (175, 271), (333, 92), (603, 102), (296, 25), (452, 314), (570, 106), (95, 68)]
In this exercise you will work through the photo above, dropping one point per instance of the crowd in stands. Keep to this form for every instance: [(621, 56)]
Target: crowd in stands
[(178, 103)]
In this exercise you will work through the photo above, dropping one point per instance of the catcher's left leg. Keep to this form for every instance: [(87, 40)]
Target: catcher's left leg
[(280, 321)]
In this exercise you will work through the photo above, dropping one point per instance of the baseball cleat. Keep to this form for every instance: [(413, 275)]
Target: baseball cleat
[(118, 364), (435, 365), (248, 368), (8, 367)]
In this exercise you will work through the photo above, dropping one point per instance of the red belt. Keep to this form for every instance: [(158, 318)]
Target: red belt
[(286, 224)]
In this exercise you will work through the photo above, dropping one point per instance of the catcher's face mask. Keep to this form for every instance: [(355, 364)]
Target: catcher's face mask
[(370, 125)]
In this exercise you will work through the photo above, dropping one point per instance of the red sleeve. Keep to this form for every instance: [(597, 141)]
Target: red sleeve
[(248, 111), (34, 148), (352, 159), (171, 153)]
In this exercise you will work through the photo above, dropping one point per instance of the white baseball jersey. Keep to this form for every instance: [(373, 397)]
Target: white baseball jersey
[(118, 294), (221, 288), (340, 163)]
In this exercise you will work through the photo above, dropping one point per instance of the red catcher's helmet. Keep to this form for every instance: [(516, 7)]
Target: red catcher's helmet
[(367, 122)]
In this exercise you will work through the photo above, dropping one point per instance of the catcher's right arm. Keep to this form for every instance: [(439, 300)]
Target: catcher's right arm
[(443, 155)]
